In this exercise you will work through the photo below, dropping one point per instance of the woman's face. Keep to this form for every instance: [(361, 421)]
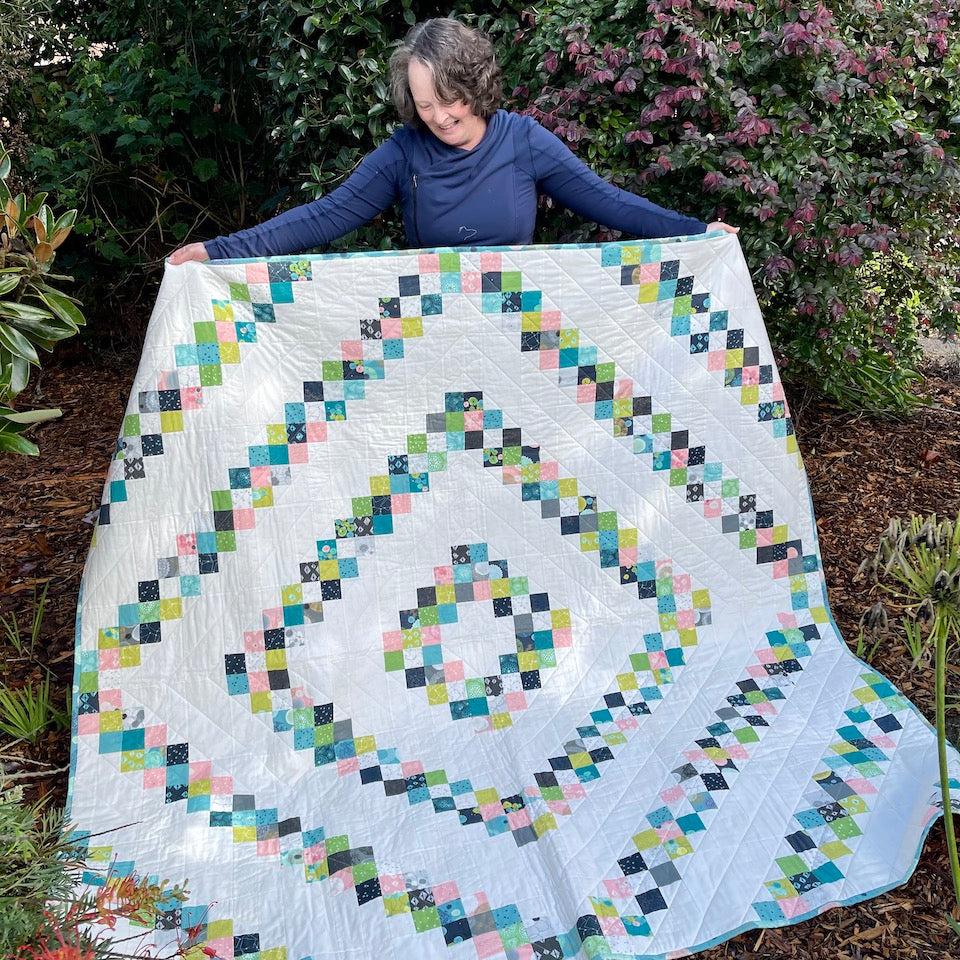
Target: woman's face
[(453, 123)]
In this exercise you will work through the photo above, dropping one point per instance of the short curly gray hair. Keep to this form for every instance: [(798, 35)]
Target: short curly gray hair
[(461, 60)]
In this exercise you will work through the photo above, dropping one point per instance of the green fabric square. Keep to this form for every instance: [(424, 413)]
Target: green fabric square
[(510, 281), (792, 865), (240, 291), (210, 375), (226, 541), (222, 500), (332, 369), (428, 919), (450, 262), (393, 660), (205, 332), (131, 425), (417, 443), (661, 422)]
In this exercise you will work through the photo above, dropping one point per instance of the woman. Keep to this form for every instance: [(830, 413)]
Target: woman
[(464, 171)]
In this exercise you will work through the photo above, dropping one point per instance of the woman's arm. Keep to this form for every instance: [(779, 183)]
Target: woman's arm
[(371, 188), (567, 179)]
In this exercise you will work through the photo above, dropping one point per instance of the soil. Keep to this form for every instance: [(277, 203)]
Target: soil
[(861, 470)]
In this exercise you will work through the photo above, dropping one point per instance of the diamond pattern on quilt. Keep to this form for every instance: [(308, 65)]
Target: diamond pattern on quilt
[(417, 648)]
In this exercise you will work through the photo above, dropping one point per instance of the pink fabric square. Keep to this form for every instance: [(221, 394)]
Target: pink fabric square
[(562, 637), (186, 544), (430, 635), (573, 791), (716, 360), (549, 470), (490, 811), (110, 659), (885, 742), (226, 332), (273, 618), (649, 272), (664, 567), (392, 883), (315, 854), (623, 389), (268, 848), (519, 819), (694, 755), (558, 807), (618, 888), (765, 536), (260, 477), (445, 892), (470, 282), (586, 392), (481, 590), (257, 273), (316, 431), (628, 556), (411, 768), (516, 700), (453, 671), (862, 786), (792, 553), (429, 262), (738, 751), (201, 769), (549, 359), (222, 948), (110, 698), (511, 474), (259, 681), (156, 735), (627, 723), (672, 794), (681, 583), (669, 831), (780, 569), (473, 420), (793, 906), (391, 328), (777, 391), (191, 398), (678, 458), (221, 786), (351, 349), (612, 927), (686, 620), (348, 765), (757, 671), (244, 519), (523, 952), (712, 508), (767, 708), (489, 262), (488, 944), (154, 777), (442, 575), (750, 376), (392, 641), (766, 655), (400, 503), (550, 320), (88, 723), (657, 658)]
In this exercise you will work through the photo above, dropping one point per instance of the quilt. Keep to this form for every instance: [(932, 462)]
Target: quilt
[(467, 603)]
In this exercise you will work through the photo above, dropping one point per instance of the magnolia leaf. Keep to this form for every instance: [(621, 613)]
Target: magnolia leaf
[(19, 374), (14, 443), (63, 307), (17, 343), (43, 252), (4, 165), (59, 237), (22, 311), (7, 284), (32, 416)]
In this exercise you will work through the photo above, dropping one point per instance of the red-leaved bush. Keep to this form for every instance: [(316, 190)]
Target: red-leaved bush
[(827, 132)]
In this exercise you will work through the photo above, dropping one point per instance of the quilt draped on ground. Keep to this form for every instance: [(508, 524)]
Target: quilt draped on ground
[(462, 603)]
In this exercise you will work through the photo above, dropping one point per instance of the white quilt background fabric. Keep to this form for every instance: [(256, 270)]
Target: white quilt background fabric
[(468, 603)]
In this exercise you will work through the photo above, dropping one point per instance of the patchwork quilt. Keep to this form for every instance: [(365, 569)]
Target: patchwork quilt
[(467, 603)]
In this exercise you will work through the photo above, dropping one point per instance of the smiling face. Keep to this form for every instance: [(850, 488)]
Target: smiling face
[(453, 123)]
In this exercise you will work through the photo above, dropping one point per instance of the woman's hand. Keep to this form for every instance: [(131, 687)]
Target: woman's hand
[(720, 225), (192, 251)]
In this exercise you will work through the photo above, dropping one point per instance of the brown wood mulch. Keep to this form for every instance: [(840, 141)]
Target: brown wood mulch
[(862, 471)]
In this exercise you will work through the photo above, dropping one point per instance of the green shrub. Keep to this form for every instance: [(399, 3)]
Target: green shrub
[(827, 133), (33, 313)]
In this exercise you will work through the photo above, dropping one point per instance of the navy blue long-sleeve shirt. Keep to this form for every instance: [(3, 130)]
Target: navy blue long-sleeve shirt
[(486, 196)]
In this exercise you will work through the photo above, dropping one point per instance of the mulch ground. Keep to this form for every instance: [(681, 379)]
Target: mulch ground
[(862, 471)]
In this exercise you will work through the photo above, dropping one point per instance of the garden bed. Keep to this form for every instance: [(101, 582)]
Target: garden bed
[(862, 471)]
